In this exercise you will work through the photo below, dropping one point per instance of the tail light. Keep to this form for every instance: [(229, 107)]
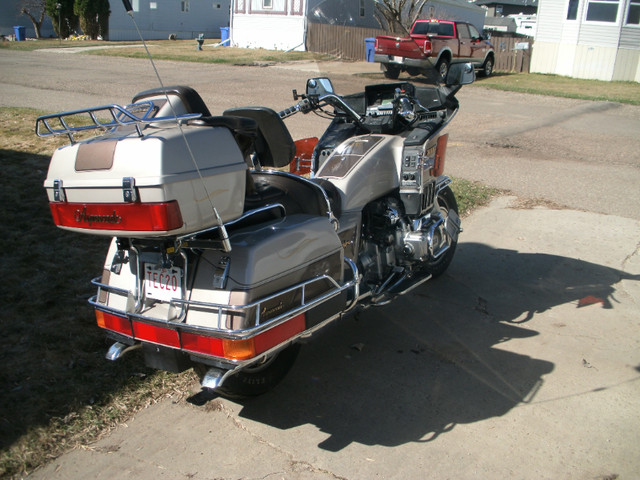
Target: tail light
[(427, 47), (130, 217), (115, 323), (197, 343)]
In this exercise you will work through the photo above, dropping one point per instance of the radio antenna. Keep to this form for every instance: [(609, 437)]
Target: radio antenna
[(224, 236)]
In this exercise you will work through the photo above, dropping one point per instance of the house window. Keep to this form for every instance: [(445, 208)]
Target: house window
[(153, 5), (362, 8), (267, 3), (633, 15), (602, 11), (184, 6), (572, 12)]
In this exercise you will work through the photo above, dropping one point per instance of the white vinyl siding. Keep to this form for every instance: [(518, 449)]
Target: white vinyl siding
[(598, 44)]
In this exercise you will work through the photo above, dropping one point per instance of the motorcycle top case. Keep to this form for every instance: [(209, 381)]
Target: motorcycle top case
[(129, 185)]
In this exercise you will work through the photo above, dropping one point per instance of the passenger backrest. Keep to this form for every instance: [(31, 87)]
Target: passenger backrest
[(183, 99), (274, 146)]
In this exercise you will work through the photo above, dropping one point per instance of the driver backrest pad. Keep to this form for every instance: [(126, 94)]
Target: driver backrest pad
[(274, 146)]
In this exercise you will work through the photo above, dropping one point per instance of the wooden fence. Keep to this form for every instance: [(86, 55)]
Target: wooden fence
[(513, 52), (343, 41)]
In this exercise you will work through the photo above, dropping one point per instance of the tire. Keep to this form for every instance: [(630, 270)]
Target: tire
[(391, 71), (442, 67), (414, 71), (487, 67), (446, 201), (258, 379)]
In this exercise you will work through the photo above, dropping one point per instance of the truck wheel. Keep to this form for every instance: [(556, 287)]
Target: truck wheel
[(487, 67), (257, 379), (442, 67), (414, 71), (392, 72)]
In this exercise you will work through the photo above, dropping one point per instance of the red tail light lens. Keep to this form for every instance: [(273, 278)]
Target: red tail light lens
[(155, 334), (114, 322), (196, 343), (427, 47), (129, 217), (243, 349)]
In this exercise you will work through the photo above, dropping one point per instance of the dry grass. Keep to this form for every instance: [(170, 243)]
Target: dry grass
[(58, 390), (558, 86), (186, 51)]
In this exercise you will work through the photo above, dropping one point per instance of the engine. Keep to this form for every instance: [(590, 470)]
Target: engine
[(394, 243)]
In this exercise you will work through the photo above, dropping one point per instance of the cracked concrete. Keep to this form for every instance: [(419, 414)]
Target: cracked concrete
[(539, 383)]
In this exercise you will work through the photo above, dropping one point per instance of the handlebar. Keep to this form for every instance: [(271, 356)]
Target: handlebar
[(310, 103)]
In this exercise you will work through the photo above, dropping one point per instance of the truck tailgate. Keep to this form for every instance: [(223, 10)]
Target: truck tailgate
[(401, 47)]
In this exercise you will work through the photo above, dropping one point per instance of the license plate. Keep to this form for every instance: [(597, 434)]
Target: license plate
[(397, 59), (162, 283)]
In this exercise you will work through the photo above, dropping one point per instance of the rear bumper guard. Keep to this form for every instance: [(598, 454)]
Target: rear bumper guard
[(233, 348)]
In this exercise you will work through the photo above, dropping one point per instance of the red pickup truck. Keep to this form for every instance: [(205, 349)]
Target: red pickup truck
[(434, 43)]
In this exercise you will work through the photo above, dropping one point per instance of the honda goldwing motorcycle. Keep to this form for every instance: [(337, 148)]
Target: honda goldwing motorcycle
[(222, 260)]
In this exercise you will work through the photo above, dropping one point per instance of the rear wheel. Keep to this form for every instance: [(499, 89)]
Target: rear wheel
[(446, 203), (259, 378), (391, 71), (442, 67)]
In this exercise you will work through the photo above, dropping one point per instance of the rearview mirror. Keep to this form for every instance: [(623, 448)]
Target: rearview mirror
[(319, 86), (461, 74)]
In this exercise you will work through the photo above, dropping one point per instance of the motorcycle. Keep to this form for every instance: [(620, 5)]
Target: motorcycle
[(221, 260)]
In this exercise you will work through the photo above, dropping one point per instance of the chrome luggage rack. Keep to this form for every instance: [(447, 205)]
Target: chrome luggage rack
[(136, 115)]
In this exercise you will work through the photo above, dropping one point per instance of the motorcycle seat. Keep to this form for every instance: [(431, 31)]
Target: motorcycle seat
[(273, 144)]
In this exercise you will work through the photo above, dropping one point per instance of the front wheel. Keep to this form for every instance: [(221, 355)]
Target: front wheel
[(446, 202), (487, 67), (257, 379)]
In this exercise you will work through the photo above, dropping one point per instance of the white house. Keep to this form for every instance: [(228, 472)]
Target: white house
[(595, 39), (270, 24), (157, 19)]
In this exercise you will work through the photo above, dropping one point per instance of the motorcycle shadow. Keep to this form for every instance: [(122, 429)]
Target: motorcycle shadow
[(414, 369)]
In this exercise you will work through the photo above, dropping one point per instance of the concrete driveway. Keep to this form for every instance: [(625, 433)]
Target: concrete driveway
[(523, 361)]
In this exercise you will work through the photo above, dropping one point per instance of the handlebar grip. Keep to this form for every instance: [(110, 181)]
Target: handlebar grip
[(287, 112)]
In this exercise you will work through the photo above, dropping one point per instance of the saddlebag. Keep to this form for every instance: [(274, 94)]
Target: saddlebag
[(268, 262)]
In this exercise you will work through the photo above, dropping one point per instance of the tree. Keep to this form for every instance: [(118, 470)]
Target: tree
[(94, 16), (34, 9), (62, 17), (397, 16)]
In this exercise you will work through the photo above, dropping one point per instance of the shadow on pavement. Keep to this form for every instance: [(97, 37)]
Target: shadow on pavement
[(413, 370)]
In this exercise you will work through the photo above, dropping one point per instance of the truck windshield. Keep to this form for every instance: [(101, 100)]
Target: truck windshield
[(433, 28)]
